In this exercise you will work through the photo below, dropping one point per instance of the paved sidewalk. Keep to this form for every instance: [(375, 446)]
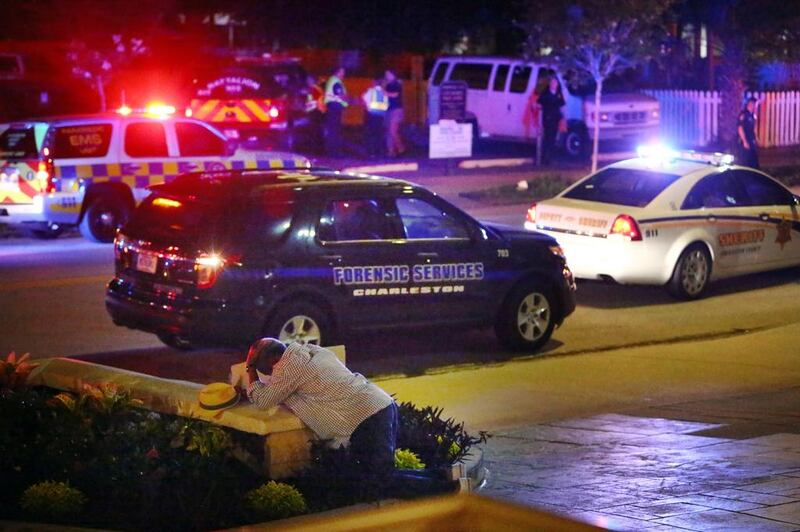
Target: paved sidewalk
[(726, 464)]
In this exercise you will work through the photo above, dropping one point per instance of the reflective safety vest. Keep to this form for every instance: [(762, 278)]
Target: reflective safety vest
[(331, 96), (377, 100), (314, 100)]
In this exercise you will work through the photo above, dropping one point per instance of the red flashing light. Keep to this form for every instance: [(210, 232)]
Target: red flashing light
[(274, 112), (627, 227), (209, 268), (44, 173)]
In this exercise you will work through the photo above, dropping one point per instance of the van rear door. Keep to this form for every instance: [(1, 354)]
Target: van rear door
[(476, 75)]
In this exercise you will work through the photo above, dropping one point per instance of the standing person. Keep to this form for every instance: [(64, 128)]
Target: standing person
[(376, 102), (315, 109), (551, 100), (335, 103), (394, 117), (338, 405), (746, 135)]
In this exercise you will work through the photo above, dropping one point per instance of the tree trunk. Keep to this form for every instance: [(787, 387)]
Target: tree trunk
[(731, 85), (596, 135)]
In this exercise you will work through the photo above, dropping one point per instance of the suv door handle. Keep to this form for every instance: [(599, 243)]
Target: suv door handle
[(427, 254)]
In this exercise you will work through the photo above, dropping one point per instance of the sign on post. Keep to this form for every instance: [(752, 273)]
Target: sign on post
[(453, 100), (450, 140)]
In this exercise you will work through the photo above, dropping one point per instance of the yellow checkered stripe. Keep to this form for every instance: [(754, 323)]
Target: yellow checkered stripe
[(143, 174), (231, 110)]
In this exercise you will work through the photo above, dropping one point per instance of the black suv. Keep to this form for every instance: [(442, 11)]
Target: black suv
[(222, 258)]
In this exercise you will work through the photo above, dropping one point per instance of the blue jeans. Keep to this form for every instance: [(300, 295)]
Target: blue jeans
[(373, 442)]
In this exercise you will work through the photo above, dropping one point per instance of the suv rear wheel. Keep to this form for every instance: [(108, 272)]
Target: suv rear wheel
[(526, 320), (103, 216), (300, 322)]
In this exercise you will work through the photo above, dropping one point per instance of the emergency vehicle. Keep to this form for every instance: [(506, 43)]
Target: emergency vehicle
[(253, 98), (680, 219), (92, 170), (227, 257)]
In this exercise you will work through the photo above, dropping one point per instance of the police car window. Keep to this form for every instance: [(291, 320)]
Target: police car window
[(357, 219), (423, 220), (622, 186), (69, 142), (476, 75), (146, 139), (519, 79), (18, 143), (438, 75), (500, 78), (716, 191), (762, 190), (196, 140)]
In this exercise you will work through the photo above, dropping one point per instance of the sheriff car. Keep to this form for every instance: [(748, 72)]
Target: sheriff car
[(92, 170), (225, 257), (675, 219)]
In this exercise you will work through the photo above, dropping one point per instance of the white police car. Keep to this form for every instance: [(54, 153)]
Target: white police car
[(680, 219)]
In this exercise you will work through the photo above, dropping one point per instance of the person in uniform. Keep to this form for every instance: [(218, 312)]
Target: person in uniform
[(394, 117), (746, 135), (315, 109), (551, 100), (341, 407), (335, 103), (376, 102)]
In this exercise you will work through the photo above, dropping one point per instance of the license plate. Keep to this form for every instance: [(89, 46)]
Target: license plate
[(146, 262), (231, 133)]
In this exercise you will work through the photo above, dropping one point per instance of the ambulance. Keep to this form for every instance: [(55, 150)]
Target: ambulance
[(91, 171)]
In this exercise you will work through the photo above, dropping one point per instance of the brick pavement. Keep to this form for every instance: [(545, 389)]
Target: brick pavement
[(724, 464)]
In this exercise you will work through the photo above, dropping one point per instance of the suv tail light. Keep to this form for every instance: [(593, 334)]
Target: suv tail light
[(209, 268), (44, 173), (626, 227)]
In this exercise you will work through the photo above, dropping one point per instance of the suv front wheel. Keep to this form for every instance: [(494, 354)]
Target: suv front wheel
[(104, 214), (526, 320)]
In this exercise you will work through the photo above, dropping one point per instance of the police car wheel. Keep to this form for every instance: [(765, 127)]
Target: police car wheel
[(175, 341), (300, 322), (526, 320), (692, 273), (103, 216)]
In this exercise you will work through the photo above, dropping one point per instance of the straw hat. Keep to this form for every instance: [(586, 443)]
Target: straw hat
[(217, 396)]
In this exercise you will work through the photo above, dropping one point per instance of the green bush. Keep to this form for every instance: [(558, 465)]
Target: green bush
[(51, 499), (405, 459), (275, 500)]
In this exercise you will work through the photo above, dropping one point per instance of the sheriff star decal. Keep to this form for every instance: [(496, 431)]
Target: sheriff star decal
[(784, 232)]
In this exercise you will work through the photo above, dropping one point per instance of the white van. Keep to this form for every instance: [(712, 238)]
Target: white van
[(499, 103)]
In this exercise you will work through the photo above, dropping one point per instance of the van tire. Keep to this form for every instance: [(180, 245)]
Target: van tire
[(105, 213), (576, 142)]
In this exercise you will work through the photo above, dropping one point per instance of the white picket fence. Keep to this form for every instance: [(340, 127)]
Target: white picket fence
[(691, 118)]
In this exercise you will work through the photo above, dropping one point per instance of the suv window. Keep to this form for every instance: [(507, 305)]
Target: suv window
[(70, 142), (622, 186), (715, 191), (146, 139), (519, 79), (18, 143), (476, 75), (357, 219), (423, 220), (761, 190), (500, 78), (195, 140), (438, 74)]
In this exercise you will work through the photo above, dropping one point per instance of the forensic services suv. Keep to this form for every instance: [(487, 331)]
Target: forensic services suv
[(226, 257), (92, 170), (674, 219)]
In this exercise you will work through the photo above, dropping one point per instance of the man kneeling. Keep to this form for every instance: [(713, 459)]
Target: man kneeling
[(338, 405)]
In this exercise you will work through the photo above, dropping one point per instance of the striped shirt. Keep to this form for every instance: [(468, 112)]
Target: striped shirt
[(314, 384)]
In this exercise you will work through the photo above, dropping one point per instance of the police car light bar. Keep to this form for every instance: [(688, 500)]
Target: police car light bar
[(661, 155), (155, 109)]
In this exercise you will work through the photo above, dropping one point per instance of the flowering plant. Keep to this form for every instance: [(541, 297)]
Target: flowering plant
[(14, 372)]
